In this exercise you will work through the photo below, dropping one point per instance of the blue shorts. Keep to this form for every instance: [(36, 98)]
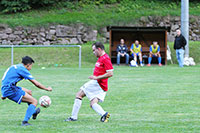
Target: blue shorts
[(136, 54), (154, 55), (15, 94)]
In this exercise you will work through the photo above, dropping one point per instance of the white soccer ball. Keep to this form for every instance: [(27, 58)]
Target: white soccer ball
[(133, 63), (45, 101)]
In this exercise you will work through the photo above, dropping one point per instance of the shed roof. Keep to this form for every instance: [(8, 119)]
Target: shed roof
[(126, 28)]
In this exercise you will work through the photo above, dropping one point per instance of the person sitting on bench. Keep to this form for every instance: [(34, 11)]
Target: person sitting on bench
[(122, 52), (154, 52), (136, 50)]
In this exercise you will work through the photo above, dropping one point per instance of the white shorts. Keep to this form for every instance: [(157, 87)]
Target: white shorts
[(93, 90)]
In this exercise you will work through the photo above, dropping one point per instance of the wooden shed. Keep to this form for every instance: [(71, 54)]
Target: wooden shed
[(145, 35)]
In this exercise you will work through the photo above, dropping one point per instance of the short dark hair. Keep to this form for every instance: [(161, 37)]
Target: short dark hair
[(27, 60), (98, 45)]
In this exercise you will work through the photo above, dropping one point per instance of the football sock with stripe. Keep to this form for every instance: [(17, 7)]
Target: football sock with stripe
[(76, 108)]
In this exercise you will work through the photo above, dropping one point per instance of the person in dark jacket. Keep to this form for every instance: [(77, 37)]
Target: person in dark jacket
[(179, 46), (122, 52)]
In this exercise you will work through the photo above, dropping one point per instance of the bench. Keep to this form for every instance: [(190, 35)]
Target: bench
[(145, 55)]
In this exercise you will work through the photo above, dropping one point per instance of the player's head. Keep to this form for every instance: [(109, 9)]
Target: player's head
[(136, 42), (155, 43), (178, 32), (28, 62), (122, 41), (98, 49)]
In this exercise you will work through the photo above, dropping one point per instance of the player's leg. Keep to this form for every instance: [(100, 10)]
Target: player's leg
[(118, 59), (178, 56), (96, 107), (181, 53), (76, 106), (140, 57), (135, 57), (19, 96), (150, 59), (37, 111), (127, 59), (27, 91), (31, 108), (159, 59)]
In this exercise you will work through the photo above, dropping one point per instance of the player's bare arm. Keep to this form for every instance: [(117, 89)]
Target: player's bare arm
[(131, 51), (39, 85), (106, 75)]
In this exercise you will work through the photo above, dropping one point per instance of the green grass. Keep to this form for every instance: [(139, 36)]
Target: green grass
[(68, 57), (90, 14), (148, 99), (48, 57)]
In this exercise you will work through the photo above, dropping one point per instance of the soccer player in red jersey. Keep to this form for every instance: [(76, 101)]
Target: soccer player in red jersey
[(96, 88)]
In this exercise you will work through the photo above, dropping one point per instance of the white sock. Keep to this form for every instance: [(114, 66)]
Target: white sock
[(98, 109), (76, 107)]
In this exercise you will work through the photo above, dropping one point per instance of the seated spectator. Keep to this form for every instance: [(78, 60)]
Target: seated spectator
[(136, 50), (154, 52), (122, 52)]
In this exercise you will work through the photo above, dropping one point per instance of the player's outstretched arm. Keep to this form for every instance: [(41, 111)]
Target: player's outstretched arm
[(39, 85)]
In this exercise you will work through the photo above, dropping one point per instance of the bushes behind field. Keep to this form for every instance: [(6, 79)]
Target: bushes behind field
[(10, 6), (13, 6)]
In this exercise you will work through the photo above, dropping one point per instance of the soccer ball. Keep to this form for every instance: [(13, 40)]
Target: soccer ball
[(133, 63), (45, 101)]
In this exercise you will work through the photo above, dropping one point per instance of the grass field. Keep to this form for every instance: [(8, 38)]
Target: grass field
[(148, 99), (68, 57), (48, 57)]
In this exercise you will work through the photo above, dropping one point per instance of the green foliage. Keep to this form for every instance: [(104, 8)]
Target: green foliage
[(146, 7), (10, 6), (15, 6), (98, 2), (120, 13)]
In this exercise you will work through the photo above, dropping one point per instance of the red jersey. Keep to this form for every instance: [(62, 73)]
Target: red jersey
[(102, 66)]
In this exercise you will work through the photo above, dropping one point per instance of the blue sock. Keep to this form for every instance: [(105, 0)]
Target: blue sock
[(140, 62), (149, 60), (29, 112), (29, 105), (159, 60)]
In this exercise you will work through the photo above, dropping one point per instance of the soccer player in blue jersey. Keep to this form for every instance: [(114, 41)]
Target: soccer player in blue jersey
[(10, 90), (154, 52)]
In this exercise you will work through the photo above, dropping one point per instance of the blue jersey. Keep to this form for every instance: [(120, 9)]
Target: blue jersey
[(12, 76)]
